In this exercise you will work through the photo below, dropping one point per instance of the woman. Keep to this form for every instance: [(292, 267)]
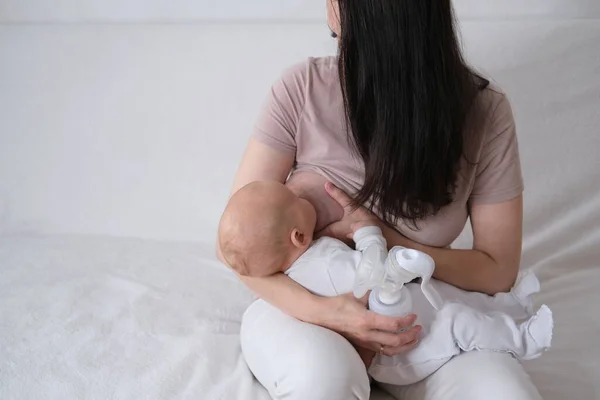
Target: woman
[(420, 142)]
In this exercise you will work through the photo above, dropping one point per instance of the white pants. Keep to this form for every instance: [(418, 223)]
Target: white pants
[(294, 360)]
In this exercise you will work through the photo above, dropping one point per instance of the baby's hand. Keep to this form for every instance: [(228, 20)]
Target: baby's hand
[(362, 224)]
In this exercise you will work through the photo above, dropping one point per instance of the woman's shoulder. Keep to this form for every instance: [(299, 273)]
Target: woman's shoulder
[(496, 174), (302, 86), (493, 115), (326, 64), (493, 98), (496, 102), (314, 70)]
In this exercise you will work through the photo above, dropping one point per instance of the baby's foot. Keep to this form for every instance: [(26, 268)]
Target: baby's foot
[(537, 333), (527, 286)]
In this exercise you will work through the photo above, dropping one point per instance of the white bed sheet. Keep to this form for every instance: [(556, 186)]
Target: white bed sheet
[(104, 318)]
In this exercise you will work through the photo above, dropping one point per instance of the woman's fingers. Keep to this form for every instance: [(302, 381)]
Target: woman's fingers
[(338, 195), (392, 351), (392, 340), (382, 323), (365, 299), (383, 331)]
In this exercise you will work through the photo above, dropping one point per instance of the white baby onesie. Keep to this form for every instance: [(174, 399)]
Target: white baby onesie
[(467, 321)]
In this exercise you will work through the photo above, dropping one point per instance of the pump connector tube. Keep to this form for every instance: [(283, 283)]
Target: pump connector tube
[(404, 265)]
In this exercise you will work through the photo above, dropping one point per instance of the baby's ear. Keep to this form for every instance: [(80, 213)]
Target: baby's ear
[(299, 239)]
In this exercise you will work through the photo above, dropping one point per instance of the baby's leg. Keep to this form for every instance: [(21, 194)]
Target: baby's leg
[(518, 303), (474, 330)]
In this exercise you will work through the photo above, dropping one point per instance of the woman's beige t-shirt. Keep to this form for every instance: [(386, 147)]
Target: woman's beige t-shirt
[(304, 115)]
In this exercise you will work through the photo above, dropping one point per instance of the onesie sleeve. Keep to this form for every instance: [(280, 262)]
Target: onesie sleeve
[(370, 254), (369, 235), (498, 173), (278, 119)]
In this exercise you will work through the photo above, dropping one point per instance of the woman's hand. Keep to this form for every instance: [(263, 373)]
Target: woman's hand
[(365, 329), (352, 219)]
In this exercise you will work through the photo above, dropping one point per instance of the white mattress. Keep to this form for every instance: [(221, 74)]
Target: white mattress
[(104, 318)]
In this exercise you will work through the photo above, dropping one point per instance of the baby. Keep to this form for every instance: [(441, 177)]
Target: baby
[(267, 229)]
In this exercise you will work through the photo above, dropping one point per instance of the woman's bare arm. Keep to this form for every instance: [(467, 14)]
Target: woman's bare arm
[(490, 267), (493, 264), (261, 162)]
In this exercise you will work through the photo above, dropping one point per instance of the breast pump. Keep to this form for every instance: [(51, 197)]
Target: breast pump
[(386, 275)]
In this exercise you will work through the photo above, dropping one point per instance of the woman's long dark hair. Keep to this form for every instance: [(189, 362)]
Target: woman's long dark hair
[(407, 94)]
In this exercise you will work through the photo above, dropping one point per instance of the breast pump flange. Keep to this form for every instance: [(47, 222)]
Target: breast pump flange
[(386, 273)]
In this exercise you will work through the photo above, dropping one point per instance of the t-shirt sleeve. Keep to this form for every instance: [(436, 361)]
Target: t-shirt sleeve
[(278, 119), (498, 177)]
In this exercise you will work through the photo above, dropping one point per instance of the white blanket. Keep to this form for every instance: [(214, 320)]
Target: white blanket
[(98, 318), (102, 318)]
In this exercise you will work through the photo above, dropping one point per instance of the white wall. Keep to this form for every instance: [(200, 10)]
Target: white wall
[(135, 129), (289, 10), (132, 129)]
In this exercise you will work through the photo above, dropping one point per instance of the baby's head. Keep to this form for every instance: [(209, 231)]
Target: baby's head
[(265, 228)]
